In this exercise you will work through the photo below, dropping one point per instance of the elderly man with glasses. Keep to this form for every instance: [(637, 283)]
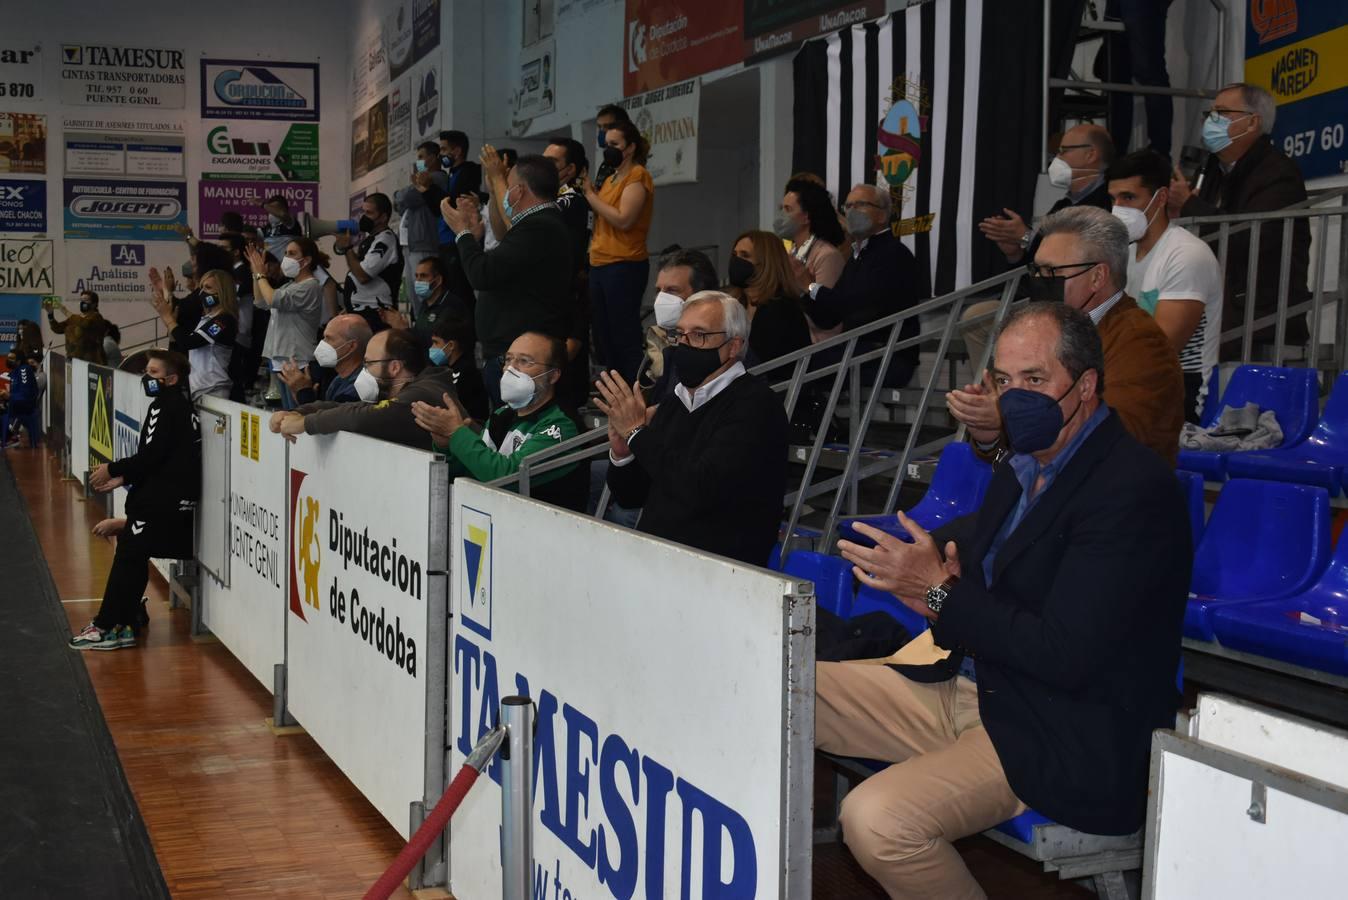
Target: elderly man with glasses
[(1082, 261), (1246, 173), (709, 466), (881, 277)]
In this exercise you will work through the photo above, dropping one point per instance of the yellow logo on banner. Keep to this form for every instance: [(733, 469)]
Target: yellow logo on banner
[(255, 437), (1305, 69), (310, 551), (243, 434), (100, 427)]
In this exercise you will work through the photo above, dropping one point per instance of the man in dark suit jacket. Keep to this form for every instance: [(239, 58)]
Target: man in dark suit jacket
[(1055, 617), (1247, 174), (880, 278), (710, 467), (525, 282)]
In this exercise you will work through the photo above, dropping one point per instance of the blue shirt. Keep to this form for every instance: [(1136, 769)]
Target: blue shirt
[(342, 389), (1028, 471)]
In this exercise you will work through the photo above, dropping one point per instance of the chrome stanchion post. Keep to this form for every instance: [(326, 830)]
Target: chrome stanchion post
[(517, 793)]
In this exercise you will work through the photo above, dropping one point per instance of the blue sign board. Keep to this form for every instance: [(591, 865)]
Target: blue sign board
[(23, 206)]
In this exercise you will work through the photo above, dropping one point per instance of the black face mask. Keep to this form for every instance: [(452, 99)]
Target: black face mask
[(210, 301), (1046, 287), (694, 365), (447, 162), (366, 224), (84, 306), (740, 271), (613, 157), (153, 386)]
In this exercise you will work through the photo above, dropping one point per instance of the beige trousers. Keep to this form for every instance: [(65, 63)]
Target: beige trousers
[(947, 782), (977, 334)]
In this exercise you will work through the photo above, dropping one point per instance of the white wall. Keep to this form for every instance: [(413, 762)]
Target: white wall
[(245, 29)]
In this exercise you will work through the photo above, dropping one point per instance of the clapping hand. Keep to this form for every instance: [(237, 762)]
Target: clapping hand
[(256, 260), (440, 421), (101, 480), (900, 568), (295, 377), (170, 282), (1006, 231), (976, 407), (493, 167), (463, 215), (1180, 192), (622, 403)]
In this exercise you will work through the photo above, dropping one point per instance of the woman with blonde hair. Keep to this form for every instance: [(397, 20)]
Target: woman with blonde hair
[(209, 341), (761, 278)]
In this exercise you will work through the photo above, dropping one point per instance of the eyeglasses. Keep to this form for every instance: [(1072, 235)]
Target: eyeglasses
[(860, 204), (695, 338), (1065, 147), (1218, 111), (527, 362), (1037, 271)]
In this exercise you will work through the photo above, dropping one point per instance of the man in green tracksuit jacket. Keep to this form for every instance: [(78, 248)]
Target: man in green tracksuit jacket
[(529, 422)]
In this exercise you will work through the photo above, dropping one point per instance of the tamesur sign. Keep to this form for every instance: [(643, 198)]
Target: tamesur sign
[(104, 75)]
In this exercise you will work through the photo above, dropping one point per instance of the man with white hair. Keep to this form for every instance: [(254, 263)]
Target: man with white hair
[(881, 277), (1082, 261), (709, 466), (1246, 173)]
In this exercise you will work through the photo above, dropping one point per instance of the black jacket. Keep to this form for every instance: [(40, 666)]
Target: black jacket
[(882, 280), (1262, 180), (165, 472), (524, 283), (712, 479), (387, 420), (1076, 644)]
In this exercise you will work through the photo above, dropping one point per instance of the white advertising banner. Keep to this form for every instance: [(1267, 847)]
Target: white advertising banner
[(118, 271), (77, 413), (20, 69), (668, 118), (369, 69), (26, 266), (137, 77), (248, 613), (365, 640), (674, 696)]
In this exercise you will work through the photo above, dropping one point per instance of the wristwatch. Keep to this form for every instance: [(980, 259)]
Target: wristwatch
[(633, 433), (937, 594), (1026, 239)]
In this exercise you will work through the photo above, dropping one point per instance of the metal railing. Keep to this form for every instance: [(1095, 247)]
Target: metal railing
[(1219, 231), (157, 334), (873, 343)]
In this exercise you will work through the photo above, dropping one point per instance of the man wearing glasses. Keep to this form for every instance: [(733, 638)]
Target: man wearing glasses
[(709, 466), (1082, 261), (881, 277), (529, 421), (1246, 173)]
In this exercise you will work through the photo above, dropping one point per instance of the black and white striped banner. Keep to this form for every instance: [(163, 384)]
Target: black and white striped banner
[(897, 102)]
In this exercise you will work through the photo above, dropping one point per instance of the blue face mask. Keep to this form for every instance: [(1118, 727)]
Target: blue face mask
[(422, 288), (421, 165), (438, 357), (509, 209), (600, 137), (1217, 133), (1032, 420)]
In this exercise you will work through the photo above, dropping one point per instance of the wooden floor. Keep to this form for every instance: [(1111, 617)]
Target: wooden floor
[(236, 812)]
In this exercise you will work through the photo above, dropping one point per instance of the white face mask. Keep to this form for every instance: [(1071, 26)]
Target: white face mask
[(1136, 220), (366, 385), (290, 267), (1060, 173), (668, 308), (326, 355), (517, 389)]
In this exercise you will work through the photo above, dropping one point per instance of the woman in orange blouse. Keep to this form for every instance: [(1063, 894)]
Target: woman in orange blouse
[(619, 266)]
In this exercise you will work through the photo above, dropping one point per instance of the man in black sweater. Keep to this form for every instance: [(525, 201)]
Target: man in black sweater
[(709, 465), (525, 282), (163, 481), (1246, 173)]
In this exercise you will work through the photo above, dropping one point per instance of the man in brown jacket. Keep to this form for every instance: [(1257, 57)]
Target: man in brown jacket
[(84, 331), (1082, 261)]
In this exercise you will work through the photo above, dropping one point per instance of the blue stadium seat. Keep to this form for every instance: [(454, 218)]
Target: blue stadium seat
[(1265, 540), (1321, 459), (1292, 394), (1308, 629), (832, 577), (956, 489), (1022, 826), (870, 599), (1192, 485)]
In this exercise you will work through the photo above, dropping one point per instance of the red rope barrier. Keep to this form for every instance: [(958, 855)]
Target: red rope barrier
[(430, 829)]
